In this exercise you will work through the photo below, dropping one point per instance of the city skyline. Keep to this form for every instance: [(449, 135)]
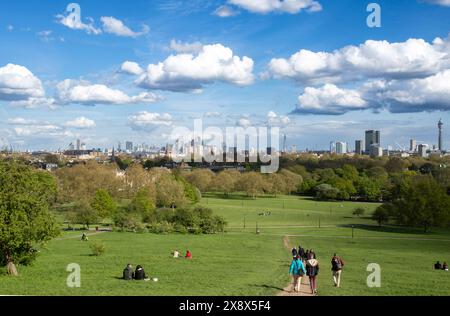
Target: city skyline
[(294, 69)]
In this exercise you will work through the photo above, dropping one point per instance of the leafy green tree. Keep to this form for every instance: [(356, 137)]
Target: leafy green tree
[(103, 204), (326, 192), (25, 219), (143, 205), (359, 211), (381, 214), (86, 215)]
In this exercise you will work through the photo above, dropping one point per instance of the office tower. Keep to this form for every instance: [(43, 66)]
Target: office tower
[(332, 147), (359, 147), (440, 146), (341, 148), (372, 138), (78, 144), (412, 145), (376, 151), (423, 150), (129, 146), (284, 144)]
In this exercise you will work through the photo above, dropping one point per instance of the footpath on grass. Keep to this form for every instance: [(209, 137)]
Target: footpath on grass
[(289, 289)]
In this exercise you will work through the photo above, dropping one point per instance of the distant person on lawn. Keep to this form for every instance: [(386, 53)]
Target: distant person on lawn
[(301, 252), (438, 266), (336, 266), (297, 270), (188, 255), (445, 266), (312, 270), (84, 238), (139, 274), (294, 252), (176, 254), (128, 272)]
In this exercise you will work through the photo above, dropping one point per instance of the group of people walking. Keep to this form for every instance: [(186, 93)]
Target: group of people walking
[(306, 263)]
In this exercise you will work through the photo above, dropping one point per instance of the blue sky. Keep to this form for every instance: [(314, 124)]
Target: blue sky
[(61, 81)]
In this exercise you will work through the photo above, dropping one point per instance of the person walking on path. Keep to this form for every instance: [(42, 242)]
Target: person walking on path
[(312, 270), (294, 252), (301, 252), (336, 266), (297, 270)]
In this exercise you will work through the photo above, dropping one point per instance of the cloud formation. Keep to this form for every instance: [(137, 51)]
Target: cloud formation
[(81, 92), (115, 26), (18, 83), (147, 121), (190, 72), (81, 123), (283, 6), (131, 68), (186, 48), (225, 11)]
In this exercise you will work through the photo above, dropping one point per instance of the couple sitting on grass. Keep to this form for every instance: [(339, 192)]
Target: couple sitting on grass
[(139, 274), (176, 254), (439, 266)]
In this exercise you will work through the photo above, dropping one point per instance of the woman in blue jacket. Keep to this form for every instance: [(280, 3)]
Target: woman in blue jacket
[(297, 270)]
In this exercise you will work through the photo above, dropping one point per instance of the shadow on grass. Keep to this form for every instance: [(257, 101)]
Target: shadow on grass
[(388, 229)]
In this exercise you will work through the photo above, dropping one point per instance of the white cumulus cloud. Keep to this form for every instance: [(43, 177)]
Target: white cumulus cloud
[(81, 123), (115, 26), (188, 48), (19, 83), (131, 68), (148, 121), (190, 72), (72, 91), (285, 6)]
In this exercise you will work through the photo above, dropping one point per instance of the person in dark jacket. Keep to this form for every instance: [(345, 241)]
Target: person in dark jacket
[(312, 270), (139, 274), (301, 253), (336, 266), (128, 272), (294, 253), (438, 266)]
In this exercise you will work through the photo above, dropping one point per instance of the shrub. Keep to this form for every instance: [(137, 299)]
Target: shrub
[(98, 248)]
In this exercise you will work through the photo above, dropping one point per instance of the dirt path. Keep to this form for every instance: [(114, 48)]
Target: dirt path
[(289, 289), (79, 237)]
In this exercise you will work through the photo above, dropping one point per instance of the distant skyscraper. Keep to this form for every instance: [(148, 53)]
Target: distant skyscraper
[(332, 147), (341, 148), (129, 146), (440, 144), (372, 138), (359, 147), (376, 151), (78, 144), (412, 145), (423, 150)]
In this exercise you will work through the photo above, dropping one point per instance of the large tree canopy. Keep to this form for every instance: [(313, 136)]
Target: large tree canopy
[(25, 220)]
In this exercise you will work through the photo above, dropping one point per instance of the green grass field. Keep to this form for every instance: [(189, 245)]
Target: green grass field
[(240, 262)]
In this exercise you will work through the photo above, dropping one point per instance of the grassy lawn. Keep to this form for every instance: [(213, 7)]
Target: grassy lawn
[(240, 262)]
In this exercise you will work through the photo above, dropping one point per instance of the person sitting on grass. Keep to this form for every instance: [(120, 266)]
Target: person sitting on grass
[(188, 255), (128, 272), (139, 274), (438, 266), (445, 266), (84, 238), (176, 254)]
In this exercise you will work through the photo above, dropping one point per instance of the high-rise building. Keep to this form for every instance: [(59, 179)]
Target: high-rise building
[(129, 146), (332, 147), (359, 147), (341, 148), (372, 138), (376, 151), (423, 148), (412, 145), (440, 144), (78, 144)]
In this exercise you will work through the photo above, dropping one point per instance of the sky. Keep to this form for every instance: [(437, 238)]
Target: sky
[(137, 70)]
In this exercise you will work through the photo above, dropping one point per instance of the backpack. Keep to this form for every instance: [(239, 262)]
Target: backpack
[(337, 264)]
